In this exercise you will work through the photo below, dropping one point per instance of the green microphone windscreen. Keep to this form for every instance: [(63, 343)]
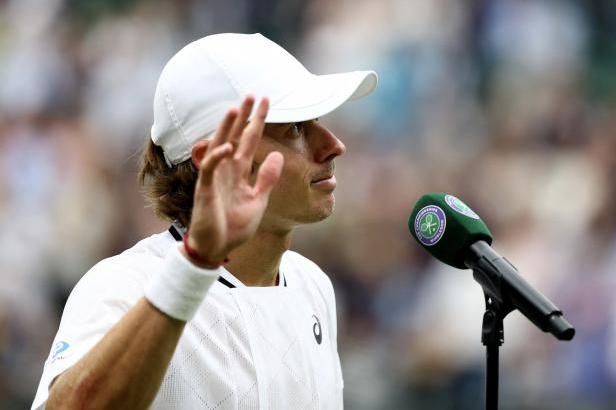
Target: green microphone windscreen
[(446, 227)]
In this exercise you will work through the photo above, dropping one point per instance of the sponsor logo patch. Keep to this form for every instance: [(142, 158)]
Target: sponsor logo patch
[(316, 330), (460, 207), (430, 224), (57, 350)]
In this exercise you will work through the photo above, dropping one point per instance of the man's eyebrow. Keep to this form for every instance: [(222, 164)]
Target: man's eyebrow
[(278, 127)]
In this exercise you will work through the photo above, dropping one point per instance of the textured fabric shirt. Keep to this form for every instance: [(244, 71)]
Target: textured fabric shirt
[(246, 348)]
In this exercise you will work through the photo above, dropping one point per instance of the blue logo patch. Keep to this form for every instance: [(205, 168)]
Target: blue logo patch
[(430, 224), (58, 348)]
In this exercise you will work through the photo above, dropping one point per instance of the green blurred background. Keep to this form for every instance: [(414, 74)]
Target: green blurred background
[(507, 104)]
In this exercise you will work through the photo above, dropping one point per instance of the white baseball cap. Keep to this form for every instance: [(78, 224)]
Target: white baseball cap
[(210, 75)]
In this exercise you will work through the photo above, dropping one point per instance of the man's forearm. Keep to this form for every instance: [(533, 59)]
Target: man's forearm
[(125, 369)]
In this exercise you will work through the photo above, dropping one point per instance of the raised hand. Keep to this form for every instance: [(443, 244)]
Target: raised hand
[(227, 209)]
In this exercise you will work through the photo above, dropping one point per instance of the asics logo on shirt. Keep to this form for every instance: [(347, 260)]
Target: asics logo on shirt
[(316, 329), (57, 349)]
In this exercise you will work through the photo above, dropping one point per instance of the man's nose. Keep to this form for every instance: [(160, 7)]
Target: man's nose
[(326, 146)]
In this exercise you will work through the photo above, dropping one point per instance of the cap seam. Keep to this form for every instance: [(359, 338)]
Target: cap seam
[(174, 117), (226, 71)]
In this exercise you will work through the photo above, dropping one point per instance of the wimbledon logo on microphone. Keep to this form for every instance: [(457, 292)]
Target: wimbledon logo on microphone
[(430, 225), (460, 207)]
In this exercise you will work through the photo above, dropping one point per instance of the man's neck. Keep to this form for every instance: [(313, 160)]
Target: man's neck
[(257, 262)]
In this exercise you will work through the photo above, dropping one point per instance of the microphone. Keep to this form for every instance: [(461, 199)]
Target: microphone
[(451, 232)]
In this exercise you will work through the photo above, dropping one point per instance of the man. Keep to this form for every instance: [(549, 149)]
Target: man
[(217, 313)]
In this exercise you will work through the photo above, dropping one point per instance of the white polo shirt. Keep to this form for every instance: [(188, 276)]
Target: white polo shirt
[(246, 347)]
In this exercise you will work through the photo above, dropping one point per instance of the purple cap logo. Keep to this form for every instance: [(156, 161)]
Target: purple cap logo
[(430, 224), (460, 207)]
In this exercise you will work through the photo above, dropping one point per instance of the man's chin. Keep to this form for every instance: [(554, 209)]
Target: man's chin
[(317, 211), (322, 211)]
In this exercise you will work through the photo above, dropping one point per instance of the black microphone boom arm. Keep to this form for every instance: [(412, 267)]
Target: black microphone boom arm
[(501, 281)]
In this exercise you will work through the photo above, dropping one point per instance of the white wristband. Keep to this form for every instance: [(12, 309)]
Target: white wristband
[(179, 287)]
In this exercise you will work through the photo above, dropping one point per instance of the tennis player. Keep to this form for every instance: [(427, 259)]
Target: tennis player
[(216, 312)]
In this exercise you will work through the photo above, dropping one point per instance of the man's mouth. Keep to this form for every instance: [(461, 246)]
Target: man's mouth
[(322, 178), (325, 182)]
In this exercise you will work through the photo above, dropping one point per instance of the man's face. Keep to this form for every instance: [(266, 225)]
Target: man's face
[(305, 191)]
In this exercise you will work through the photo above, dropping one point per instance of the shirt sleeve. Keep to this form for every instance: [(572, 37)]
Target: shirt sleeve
[(100, 299)]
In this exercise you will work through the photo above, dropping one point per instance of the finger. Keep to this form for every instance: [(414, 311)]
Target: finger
[(222, 133), (210, 161), (253, 133), (269, 174), (240, 122)]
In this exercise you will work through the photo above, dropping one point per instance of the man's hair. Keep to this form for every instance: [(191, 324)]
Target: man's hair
[(169, 190)]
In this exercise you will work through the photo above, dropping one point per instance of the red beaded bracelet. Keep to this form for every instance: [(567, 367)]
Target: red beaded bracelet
[(194, 255)]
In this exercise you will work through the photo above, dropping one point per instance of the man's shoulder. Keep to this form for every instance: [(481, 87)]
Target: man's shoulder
[(131, 267), (302, 263), (306, 271), (151, 247)]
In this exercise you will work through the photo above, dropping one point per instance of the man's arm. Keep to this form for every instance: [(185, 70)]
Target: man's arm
[(126, 368)]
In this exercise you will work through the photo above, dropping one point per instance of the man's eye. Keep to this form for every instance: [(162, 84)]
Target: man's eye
[(297, 128)]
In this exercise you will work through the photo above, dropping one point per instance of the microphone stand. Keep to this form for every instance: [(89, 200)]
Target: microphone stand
[(492, 337), (500, 295), (492, 333)]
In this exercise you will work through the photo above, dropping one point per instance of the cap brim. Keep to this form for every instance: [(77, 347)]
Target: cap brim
[(318, 95)]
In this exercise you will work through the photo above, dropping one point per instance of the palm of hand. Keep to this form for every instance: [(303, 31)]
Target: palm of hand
[(227, 209)]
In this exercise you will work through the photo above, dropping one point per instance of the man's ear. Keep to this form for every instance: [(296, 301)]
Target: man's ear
[(198, 152)]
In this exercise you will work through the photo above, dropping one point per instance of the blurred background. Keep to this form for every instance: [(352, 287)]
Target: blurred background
[(507, 104)]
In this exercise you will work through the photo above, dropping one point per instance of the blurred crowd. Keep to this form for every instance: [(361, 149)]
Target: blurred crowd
[(508, 104)]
